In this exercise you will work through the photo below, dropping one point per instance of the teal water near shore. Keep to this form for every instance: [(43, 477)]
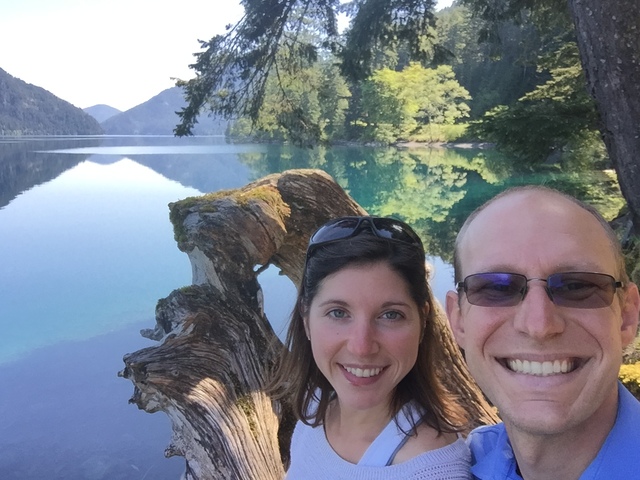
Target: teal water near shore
[(88, 249)]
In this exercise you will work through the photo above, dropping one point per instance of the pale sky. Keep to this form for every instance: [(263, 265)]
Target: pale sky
[(114, 52)]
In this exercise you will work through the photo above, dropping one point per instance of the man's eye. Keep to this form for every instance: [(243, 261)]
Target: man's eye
[(497, 289), (578, 290), (573, 286)]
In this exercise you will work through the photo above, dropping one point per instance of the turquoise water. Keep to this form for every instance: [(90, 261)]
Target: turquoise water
[(87, 250)]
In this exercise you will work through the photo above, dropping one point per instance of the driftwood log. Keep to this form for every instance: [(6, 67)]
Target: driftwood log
[(215, 343)]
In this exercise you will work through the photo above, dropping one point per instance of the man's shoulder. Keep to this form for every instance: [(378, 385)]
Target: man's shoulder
[(485, 439), (628, 400), (488, 435), (628, 419), (491, 453), (613, 460)]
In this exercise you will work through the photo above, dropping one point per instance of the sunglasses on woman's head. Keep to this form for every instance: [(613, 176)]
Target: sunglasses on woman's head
[(348, 227), (567, 289)]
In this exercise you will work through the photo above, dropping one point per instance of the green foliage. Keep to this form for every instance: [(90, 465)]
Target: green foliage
[(387, 25), (396, 105), (279, 39), (440, 133), (494, 73), (556, 121), (549, 15), (275, 38), (317, 94)]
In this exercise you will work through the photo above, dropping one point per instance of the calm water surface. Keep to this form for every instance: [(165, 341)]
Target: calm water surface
[(87, 250)]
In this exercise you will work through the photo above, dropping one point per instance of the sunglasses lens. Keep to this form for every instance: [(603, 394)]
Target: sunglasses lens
[(570, 289), (341, 228), (347, 227), (495, 289), (582, 290), (389, 228)]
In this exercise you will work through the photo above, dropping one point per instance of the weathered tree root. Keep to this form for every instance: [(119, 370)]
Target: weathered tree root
[(209, 369)]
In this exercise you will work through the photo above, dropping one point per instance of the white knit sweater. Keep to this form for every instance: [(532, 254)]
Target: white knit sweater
[(312, 458)]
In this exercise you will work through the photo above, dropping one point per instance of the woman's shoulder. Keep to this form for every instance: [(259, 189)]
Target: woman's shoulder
[(449, 462), (429, 443)]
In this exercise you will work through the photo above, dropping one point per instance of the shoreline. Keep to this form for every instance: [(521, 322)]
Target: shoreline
[(466, 145)]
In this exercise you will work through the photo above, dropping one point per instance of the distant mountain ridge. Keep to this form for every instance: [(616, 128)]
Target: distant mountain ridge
[(101, 112), (157, 116), (26, 109)]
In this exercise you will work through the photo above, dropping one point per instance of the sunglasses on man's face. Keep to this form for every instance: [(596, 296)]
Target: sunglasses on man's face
[(567, 289), (348, 227)]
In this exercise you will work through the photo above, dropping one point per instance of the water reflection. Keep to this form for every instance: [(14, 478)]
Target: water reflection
[(434, 189), (22, 169), (431, 188)]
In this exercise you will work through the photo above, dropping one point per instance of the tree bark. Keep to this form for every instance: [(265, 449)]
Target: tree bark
[(217, 347), (608, 35)]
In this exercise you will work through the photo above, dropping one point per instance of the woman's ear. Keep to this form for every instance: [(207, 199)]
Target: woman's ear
[(306, 327)]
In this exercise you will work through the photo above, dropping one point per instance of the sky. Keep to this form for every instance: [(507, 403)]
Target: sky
[(114, 52)]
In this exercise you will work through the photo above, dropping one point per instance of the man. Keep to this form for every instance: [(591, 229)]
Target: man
[(544, 339)]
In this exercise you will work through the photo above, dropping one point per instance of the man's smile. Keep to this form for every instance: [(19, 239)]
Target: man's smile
[(541, 369)]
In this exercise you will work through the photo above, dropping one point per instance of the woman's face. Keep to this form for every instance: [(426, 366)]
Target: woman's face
[(365, 329)]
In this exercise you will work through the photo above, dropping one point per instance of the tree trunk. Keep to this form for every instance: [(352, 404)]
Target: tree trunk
[(217, 346), (608, 33)]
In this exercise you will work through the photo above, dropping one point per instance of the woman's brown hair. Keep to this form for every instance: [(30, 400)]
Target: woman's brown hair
[(299, 382)]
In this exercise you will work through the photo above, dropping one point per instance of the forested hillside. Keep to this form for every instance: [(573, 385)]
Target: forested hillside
[(157, 116), (29, 110)]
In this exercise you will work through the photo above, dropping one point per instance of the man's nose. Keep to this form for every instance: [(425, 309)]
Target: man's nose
[(363, 338), (536, 315)]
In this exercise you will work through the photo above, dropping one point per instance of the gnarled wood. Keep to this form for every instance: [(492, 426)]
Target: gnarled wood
[(209, 370)]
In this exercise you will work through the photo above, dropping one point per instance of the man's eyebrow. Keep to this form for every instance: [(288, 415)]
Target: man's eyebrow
[(586, 266)]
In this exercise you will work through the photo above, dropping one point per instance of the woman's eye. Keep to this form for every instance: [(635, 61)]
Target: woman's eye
[(337, 313), (392, 315)]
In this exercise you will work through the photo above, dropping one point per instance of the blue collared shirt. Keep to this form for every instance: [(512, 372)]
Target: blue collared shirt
[(493, 457)]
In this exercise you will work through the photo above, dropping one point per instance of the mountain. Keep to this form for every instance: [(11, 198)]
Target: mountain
[(157, 116), (29, 110), (102, 112)]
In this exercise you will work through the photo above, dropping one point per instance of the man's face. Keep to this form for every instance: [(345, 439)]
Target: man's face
[(537, 234)]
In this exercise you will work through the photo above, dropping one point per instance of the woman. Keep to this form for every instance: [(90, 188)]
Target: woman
[(360, 370)]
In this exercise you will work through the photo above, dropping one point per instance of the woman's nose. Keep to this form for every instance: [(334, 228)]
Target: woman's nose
[(363, 338)]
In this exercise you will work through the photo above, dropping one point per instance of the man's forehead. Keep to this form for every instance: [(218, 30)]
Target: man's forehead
[(529, 218), (513, 208)]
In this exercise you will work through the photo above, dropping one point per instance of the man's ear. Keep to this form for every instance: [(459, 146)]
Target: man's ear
[(630, 313), (455, 317)]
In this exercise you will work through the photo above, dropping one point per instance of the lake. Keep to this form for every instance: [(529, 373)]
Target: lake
[(87, 250)]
